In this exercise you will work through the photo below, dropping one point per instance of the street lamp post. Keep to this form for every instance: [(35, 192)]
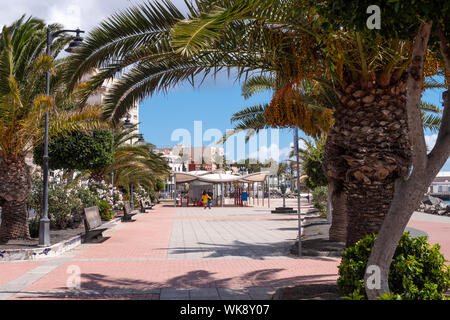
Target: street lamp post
[(112, 168), (44, 223), (298, 192), (127, 124)]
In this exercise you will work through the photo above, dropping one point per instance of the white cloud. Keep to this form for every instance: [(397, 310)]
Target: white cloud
[(274, 152), (264, 153), (284, 153), (70, 16), (85, 14), (431, 141)]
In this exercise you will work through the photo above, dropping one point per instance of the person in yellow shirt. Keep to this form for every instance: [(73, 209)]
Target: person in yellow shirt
[(205, 198)]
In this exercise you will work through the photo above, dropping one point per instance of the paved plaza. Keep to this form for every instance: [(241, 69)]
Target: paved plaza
[(186, 253)]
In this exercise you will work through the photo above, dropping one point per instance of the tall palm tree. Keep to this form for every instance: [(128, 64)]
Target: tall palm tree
[(23, 65), (368, 147), (153, 47), (254, 119)]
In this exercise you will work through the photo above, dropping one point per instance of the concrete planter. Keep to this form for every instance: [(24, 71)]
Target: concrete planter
[(54, 250), (40, 252)]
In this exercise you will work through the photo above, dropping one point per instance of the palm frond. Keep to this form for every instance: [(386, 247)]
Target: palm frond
[(123, 32), (249, 113), (431, 121), (429, 107), (191, 36), (257, 84)]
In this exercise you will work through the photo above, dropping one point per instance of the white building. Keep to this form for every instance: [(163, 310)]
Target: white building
[(205, 154), (181, 158), (99, 96), (441, 183)]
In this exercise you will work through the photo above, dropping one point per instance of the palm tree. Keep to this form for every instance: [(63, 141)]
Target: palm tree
[(250, 119), (317, 96), (368, 147), (282, 171), (23, 65), (153, 47), (134, 47), (136, 164)]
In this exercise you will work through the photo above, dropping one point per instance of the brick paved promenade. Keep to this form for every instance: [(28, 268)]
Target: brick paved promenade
[(185, 253)]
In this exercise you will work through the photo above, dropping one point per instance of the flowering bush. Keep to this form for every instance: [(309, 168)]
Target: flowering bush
[(65, 202), (105, 209), (104, 192), (67, 199), (140, 194)]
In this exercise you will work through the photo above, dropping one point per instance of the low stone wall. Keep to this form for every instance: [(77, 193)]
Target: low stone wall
[(37, 253), (41, 252)]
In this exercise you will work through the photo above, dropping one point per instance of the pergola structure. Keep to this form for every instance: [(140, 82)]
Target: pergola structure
[(200, 181)]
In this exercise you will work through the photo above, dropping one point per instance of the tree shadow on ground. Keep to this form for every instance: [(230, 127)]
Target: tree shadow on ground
[(99, 286), (258, 251)]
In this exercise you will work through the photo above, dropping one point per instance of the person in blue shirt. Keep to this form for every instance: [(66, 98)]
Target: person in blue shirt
[(210, 199), (244, 197)]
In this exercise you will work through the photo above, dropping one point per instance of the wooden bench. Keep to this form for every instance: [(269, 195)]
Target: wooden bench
[(145, 206), (127, 213), (93, 224)]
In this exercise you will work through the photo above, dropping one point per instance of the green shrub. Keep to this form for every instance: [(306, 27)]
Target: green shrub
[(417, 272), (78, 151), (105, 209), (320, 195), (33, 226), (160, 185), (153, 196), (88, 198)]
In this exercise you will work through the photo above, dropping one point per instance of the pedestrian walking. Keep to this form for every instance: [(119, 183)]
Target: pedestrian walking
[(244, 197), (210, 199), (205, 198)]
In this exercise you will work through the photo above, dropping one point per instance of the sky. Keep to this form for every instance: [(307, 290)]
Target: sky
[(161, 115)]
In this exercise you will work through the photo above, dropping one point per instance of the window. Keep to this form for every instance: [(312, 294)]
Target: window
[(440, 189)]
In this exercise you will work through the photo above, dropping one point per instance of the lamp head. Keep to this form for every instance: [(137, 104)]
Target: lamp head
[(75, 45), (127, 123)]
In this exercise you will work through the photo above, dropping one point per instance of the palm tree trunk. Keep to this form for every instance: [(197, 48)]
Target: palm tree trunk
[(333, 167), (15, 187), (14, 221), (338, 228), (409, 192), (370, 149)]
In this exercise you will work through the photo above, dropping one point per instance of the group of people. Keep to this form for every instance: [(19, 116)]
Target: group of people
[(207, 198)]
